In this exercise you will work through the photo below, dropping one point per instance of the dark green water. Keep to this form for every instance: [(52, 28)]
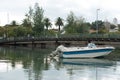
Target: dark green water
[(31, 64)]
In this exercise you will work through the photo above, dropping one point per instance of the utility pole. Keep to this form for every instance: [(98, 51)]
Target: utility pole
[(97, 21), (7, 18)]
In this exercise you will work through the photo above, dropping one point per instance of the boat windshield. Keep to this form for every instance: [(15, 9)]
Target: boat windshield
[(91, 45)]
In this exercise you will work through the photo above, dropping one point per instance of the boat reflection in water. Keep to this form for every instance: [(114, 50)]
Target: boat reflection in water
[(87, 62), (87, 69)]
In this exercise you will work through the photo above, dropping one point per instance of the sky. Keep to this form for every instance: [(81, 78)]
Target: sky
[(16, 9)]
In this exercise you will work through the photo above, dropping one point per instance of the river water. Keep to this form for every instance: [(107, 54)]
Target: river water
[(18, 63)]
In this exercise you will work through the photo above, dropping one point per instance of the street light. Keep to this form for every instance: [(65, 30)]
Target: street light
[(97, 20)]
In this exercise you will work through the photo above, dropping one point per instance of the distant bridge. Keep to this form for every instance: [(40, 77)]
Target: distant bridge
[(56, 39)]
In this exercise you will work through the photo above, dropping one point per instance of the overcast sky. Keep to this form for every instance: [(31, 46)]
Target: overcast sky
[(15, 9)]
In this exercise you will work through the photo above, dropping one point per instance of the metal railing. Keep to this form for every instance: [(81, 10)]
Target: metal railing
[(70, 36)]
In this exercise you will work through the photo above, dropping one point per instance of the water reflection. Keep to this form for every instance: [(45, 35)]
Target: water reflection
[(90, 62), (5, 66), (34, 64), (86, 69), (29, 61), (89, 69)]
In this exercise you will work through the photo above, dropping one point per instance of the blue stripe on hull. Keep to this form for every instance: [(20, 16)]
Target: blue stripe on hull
[(87, 51)]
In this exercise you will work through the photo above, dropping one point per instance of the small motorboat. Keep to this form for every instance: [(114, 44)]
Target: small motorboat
[(90, 51)]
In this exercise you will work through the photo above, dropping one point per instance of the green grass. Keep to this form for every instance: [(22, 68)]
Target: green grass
[(115, 55)]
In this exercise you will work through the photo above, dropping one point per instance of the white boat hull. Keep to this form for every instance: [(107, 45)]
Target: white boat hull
[(84, 52), (90, 55)]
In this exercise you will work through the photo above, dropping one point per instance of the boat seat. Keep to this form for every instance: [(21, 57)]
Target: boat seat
[(91, 45)]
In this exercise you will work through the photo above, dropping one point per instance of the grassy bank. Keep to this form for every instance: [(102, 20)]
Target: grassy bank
[(115, 55)]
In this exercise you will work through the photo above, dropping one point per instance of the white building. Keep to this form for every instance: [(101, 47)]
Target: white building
[(115, 22)]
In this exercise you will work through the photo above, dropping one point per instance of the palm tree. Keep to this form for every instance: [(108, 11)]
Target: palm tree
[(59, 22), (47, 23)]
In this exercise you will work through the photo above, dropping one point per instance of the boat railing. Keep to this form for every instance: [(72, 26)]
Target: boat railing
[(103, 46)]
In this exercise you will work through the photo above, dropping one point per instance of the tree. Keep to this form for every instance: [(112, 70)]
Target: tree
[(10, 31), (119, 27), (97, 25), (27, 22), (82, 28), (112, 26), (1, 31), (76, 24), (103, 30), (14, 23), (70, 26), (71, 18), (47, 23), (30, 14), (59, 22), (20, 31), (38, 20)]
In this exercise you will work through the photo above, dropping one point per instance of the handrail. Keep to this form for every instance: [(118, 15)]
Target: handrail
[(61, 37)]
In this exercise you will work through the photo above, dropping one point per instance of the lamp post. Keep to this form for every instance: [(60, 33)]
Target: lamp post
[(97, 20)]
